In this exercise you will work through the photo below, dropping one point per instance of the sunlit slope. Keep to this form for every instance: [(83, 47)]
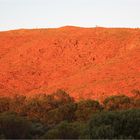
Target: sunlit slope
[(86, 62)]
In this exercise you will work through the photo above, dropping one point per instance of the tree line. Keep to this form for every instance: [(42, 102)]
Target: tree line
[(59, 116)]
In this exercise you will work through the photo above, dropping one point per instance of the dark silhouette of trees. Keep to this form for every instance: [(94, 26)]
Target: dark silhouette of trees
[(59, 116), (4, 104), (117, 102), (86, 108), (62, 113), (114, 125), (14, 127), (64, 130), (42, 106)]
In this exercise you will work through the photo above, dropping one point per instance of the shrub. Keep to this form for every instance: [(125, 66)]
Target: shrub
[(62, 113), (60, 97), (86, 108), (38, 129), (14, 127), (4, 104), (117, 102), (42, 106), (17, 103), (64, 130), (117, 124)]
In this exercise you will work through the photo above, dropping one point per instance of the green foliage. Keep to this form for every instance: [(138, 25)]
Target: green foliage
[(60, 97), (117, 102), (58, 116), (38, 129), (65, 112), (13, 126), (121, 124), (64, 130), (82, 129), (86, 108), (44, 107), (37, 107)]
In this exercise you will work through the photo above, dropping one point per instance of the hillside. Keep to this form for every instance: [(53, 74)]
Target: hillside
[(86, 62)]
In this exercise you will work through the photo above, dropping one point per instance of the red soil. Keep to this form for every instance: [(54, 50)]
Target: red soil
[(86, 62)]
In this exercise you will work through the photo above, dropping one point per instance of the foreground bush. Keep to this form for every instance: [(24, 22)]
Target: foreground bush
[(14, 127), (62, 113), (66, 130), (115, 125), (62, 131), (58, 116)]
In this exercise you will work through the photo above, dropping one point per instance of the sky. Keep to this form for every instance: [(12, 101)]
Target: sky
[(16, 14)]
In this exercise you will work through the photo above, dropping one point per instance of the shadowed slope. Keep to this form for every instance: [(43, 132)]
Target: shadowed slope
[(86, 62)]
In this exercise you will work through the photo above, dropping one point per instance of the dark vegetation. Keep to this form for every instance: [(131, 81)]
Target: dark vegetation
[(58, 116)]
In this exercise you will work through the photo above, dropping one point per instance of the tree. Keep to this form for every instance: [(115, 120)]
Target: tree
[(86, 108), (115, 125), (17, 103), (38, 129), (82, 129), (64, 130), (37, 107), (63, 113), (42, 106), (60, 97), (4, 104), (14, 127), (117, 102)]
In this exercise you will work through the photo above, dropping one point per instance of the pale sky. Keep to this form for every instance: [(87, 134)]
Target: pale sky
[(15, 14)]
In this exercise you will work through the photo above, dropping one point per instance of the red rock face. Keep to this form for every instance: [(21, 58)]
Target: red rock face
[(86, 62)]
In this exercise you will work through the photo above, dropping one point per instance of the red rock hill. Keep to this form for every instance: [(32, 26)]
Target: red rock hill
[(86, 62)]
